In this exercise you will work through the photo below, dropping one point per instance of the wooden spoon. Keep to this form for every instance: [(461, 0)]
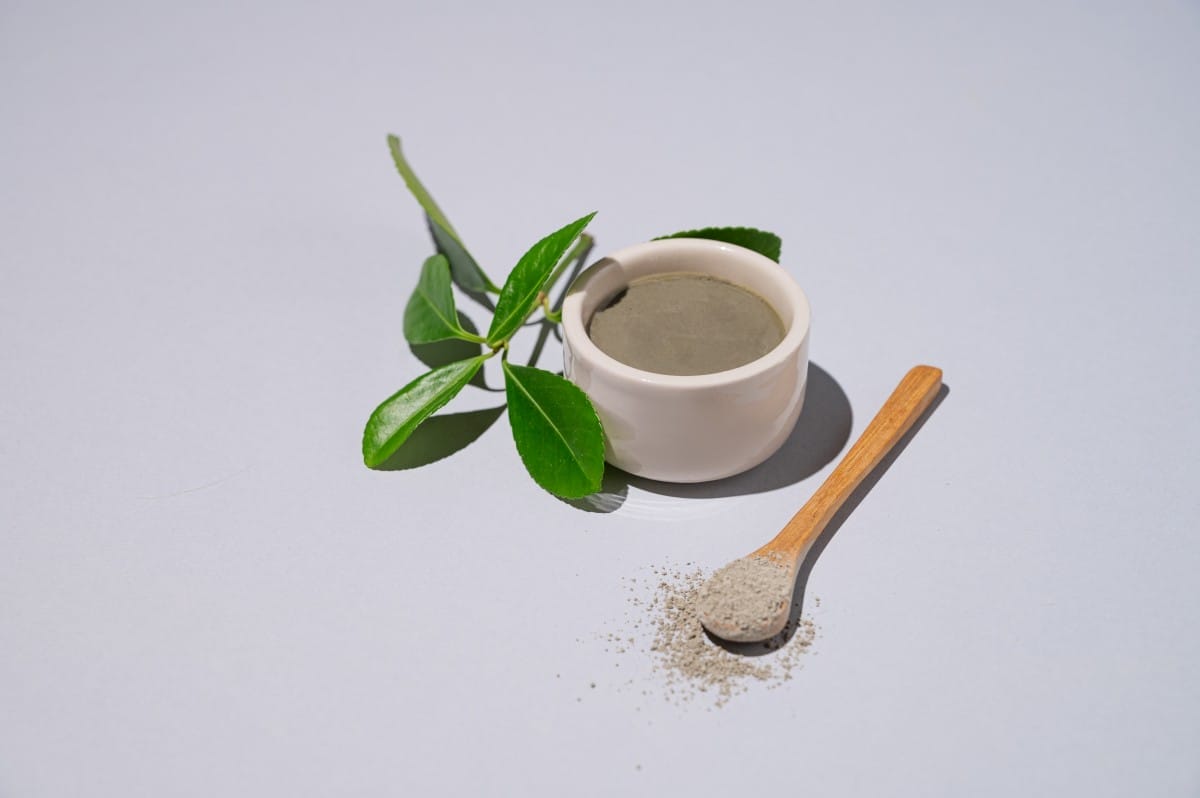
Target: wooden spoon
[(749, 599)]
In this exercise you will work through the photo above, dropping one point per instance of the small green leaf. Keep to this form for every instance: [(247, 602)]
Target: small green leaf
[(430, 314), (394, 420), (556, 430), (760, 241), (519, 296), (466, 271), (441, 353)]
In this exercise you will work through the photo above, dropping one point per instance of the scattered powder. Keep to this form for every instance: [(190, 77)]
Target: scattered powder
[(688, 662), (748, 599)]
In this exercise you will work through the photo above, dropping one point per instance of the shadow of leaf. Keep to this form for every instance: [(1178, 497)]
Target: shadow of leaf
[(613, 491), (439, 437)]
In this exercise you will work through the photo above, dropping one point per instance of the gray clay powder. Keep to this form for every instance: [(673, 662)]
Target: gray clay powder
[(748, 595), (686, 324)]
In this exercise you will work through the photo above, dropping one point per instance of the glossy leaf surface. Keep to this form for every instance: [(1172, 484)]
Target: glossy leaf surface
[(393, 421), (519, 296), (556, 430)]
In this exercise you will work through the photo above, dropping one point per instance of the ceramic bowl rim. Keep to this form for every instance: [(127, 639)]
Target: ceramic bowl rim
[(582, 346)]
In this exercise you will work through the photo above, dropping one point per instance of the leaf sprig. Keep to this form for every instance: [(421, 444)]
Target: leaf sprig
[(556, 430)]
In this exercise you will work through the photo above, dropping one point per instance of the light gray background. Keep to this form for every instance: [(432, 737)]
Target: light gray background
[(205, 255)]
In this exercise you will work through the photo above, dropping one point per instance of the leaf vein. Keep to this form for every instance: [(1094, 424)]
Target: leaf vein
[(574, 459), (436, 310)]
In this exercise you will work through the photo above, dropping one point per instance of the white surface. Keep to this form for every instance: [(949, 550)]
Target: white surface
[(205, 255)]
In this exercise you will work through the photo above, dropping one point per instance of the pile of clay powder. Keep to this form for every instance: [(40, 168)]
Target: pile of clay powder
[(690, 663)]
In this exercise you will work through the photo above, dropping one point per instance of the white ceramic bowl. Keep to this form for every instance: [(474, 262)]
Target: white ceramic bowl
[(689, 428)]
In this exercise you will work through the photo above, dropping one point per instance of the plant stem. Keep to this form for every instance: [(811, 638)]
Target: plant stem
[(553, 313)]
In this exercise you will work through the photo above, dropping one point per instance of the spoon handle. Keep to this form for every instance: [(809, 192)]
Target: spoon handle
[(902, 409)]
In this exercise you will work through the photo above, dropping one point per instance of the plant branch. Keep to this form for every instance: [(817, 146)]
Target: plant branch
[(578, 255), (551, 315)]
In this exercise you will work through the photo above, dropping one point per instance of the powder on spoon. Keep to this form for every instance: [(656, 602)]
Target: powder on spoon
[(747, 596)]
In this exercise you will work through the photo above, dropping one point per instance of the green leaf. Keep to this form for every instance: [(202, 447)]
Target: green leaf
[(394, 420), (556, 430), (441, 353), (760, 241), (519, 296), (466, 271), (430, 314)]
